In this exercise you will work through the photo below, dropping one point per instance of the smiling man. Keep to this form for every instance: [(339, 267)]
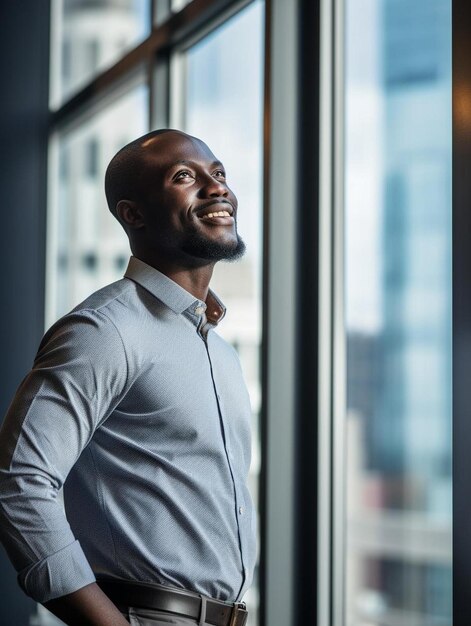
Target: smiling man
[(138, 407)]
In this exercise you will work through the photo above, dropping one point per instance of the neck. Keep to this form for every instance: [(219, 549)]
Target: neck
[(195, 280)]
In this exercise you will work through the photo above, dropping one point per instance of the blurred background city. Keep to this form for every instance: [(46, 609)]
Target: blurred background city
[(393, 95)]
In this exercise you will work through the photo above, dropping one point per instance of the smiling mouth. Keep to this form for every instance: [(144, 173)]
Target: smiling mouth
[(219, 217), (223, 217)]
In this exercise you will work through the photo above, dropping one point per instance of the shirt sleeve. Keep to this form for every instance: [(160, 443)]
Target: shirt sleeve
[(78, 377)]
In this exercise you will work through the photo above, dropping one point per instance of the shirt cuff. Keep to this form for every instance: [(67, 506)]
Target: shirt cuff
[(57, 575)]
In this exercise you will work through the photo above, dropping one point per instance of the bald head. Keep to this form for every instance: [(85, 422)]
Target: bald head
[(124, 178), (169, 192)]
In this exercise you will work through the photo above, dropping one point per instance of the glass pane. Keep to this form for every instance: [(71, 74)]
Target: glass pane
[(178, 5), (164, 9), (227, 115), (398, 309), (89, 36), (87, 246)]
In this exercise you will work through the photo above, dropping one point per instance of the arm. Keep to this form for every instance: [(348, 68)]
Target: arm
[(78, 377), (88, 606)]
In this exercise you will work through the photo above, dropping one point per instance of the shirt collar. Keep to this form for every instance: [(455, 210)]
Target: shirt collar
[(171, 293)]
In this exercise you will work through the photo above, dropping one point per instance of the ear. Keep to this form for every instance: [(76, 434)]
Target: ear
[(129, 214)]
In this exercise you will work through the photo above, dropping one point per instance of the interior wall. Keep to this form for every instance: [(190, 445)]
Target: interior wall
[(24, 60)]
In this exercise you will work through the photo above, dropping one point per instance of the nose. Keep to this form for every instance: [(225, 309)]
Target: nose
[(214, 188)]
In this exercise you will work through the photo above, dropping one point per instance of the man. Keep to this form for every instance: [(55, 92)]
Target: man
[(141, 406)]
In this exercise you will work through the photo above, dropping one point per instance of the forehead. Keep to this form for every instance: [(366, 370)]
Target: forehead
[(165, 150)]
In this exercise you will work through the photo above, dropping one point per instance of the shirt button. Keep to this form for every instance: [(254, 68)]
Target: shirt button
[(199, 310), (241, 510)]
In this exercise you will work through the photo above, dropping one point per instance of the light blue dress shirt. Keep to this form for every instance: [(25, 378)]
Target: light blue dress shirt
[(139, 408)]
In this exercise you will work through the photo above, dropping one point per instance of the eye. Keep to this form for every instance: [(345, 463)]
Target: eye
[(183, 174), (220, 174)]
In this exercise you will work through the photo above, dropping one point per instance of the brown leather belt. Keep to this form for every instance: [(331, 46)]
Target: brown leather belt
[(127, 594)]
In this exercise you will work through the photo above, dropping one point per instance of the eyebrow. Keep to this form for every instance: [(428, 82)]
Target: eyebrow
[(193, 163)]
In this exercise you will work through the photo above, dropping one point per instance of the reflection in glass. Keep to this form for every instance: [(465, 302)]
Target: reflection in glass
[(88, 248), (223, 106), (398, 281), (89, 36), (178, 5)]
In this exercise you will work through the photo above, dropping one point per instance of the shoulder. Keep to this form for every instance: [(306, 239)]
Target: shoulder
[(112, 298), (84, 336), (110, 306), (92, 327)]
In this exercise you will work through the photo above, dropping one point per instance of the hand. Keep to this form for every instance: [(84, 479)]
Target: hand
[(88, 606)]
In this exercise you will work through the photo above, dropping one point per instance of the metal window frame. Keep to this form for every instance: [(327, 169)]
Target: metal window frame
[(461, 261), (278, 316), (300, 234), (339, 373), (309, 332), (331, 341)]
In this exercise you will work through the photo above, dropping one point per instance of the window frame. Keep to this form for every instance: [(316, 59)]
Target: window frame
[(461, 303)]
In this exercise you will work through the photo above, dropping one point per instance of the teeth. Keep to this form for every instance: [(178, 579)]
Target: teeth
[(218, 214)]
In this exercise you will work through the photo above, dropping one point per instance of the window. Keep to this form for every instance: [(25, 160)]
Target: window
[(92, 35), (91, 158), (398, 312), (85, 241)]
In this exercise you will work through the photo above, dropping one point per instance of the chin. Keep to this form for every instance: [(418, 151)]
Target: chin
[(215, 250)]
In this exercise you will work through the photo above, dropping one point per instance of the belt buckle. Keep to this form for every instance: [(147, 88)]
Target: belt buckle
[(237, 609)]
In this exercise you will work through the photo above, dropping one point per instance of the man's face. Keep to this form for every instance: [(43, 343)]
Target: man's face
[(189, 211)]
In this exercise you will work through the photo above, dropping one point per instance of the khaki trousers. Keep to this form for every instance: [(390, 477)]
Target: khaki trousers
[(147, 617)]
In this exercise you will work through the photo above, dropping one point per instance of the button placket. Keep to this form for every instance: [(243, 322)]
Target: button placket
[(227, 446)]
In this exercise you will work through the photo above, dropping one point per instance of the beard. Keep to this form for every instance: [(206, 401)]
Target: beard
[(196, 245)]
